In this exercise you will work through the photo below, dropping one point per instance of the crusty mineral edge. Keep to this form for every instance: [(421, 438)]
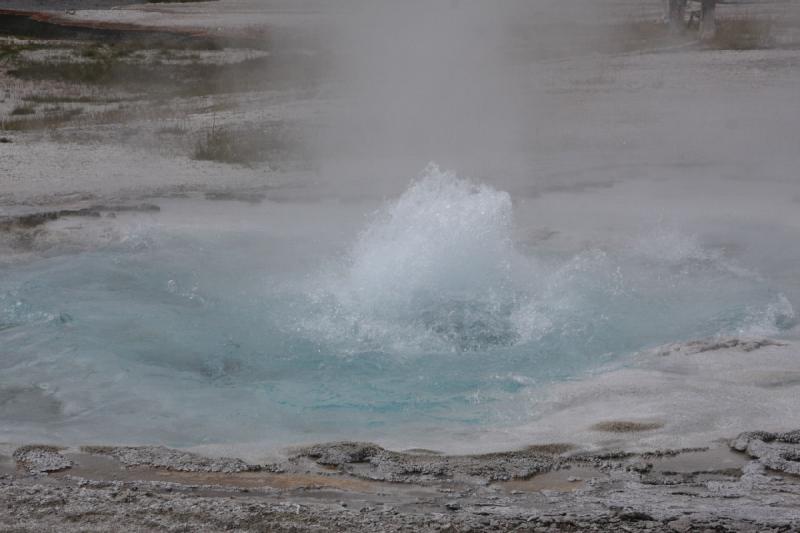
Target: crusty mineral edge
[(363, 487)]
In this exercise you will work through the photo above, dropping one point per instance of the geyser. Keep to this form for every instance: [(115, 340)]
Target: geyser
[(437, 271), (432, 271), (433, 317)]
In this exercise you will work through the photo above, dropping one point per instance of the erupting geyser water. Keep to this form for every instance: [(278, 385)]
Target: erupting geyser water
[(433, 271), (433, 317), (437, 271)]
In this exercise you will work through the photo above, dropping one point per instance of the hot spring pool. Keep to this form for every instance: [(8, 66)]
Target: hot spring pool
[(430, 319)]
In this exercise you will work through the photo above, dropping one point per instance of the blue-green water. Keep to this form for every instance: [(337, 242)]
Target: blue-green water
[(431, 319)]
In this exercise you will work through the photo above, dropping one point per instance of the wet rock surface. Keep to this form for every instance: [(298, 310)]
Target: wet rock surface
[(40, 217), (776, 451), (711, 345), (612, 491), (373, 462), (177, 460)]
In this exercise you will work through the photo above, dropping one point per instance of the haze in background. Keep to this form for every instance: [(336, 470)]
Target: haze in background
[(447, 80), (535, 95)]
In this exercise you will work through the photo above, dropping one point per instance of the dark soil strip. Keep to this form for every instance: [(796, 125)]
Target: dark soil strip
[(41, 25)]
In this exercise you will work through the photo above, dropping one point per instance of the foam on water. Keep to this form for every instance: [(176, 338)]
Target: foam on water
[(432, 318)]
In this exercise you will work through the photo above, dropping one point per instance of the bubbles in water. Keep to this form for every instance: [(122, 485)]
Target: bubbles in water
[(437, 271)]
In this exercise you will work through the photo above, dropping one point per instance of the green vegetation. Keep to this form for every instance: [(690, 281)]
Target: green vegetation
[(135, 80), (273, 144), (23, 110), (10, 50), (64, 99), (114, 69), (222, 145), (50, 120)]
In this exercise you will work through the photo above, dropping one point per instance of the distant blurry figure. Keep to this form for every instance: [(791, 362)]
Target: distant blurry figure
[(675, 15), (708, 24), (676, 12)]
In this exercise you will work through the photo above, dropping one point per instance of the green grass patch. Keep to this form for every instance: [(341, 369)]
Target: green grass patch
[(23, 110), (274, 144), (190, 79), (225, 146), (10, 50), (39, 122)]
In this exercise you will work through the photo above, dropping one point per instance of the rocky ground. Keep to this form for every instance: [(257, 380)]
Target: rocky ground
[(750, 484)]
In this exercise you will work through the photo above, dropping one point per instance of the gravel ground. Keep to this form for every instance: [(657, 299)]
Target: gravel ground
[(317, 489)]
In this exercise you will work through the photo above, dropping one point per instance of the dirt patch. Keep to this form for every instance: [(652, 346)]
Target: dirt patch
[(626, 426), (556, 448)]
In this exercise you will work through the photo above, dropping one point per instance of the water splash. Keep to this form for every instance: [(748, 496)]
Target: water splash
[(432, 318), (434, 270), (437, 271)]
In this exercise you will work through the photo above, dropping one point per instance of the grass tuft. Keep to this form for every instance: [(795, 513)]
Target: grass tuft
[(274, 144), (47, 121), (23, 110), (222, 145)]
